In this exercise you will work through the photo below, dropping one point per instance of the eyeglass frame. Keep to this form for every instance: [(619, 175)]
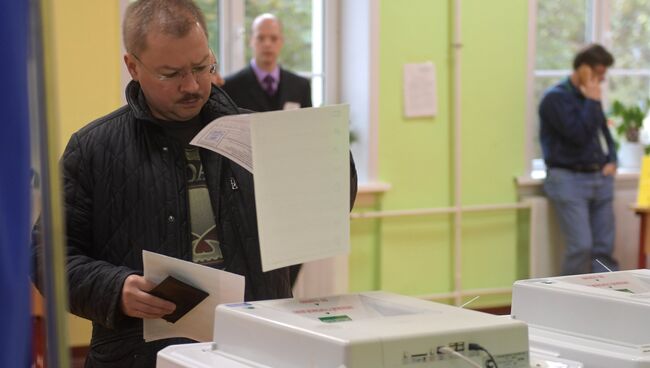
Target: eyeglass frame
[(211, 68)]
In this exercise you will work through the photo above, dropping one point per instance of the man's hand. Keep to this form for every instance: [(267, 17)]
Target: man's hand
[(136, 302), (609, 169), (589, 83)]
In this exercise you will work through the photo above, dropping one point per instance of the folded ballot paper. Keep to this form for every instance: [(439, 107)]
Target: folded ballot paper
[(195, 289), (300, 160)]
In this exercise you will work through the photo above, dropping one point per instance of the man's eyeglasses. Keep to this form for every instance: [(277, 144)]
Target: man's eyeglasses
[(198, 71)]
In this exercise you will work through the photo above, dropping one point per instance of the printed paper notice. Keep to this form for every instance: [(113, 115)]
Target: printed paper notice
[(229, 136), (420, 98), (197, 324)]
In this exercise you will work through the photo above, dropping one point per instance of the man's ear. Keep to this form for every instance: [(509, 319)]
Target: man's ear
[(130, 61)]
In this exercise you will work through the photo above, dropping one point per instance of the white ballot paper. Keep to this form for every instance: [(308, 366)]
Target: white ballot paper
[(230, 136), (300, 159), (197, 324), (420, 99)]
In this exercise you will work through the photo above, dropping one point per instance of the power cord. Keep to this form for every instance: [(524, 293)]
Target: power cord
[(448, 350), (491, 363)]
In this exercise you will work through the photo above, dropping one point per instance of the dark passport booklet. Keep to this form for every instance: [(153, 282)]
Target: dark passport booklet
[(185, 296)]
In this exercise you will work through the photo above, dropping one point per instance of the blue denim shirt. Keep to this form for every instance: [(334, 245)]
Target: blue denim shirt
[(570, 126)]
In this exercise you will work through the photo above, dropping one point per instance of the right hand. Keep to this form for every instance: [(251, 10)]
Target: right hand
[(589, 83), (136, 302)]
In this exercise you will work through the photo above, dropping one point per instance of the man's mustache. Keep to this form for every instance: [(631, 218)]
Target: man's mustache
[(190, 97)]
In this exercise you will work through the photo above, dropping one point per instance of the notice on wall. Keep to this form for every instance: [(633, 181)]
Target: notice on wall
[(420, 97)]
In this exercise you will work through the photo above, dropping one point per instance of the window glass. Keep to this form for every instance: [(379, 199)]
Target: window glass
[(559, 37), (211, 10), (630, 32), (629, 89)]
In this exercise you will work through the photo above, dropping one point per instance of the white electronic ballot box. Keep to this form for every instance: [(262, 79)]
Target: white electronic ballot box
[(601, 320), (366, 330)]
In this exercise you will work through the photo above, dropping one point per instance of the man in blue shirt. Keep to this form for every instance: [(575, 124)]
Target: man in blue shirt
[(580, 158)]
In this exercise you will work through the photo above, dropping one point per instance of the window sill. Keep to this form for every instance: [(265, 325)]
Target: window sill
[(368, 193), (532, 183)]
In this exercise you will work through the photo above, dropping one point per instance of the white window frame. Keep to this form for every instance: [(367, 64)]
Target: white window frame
[(598, 30)]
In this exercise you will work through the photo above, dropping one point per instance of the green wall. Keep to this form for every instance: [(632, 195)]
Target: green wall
[(413, 255)]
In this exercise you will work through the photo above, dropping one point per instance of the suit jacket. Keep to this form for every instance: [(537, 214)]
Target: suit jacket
[(246, 91)]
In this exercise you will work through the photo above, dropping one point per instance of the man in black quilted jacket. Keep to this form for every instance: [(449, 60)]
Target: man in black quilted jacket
[(132, 182)]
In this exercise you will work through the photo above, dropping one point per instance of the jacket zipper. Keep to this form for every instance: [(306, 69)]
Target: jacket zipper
[(233, 183)]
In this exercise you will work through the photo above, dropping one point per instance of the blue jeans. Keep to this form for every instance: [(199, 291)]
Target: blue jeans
[(583, 203)]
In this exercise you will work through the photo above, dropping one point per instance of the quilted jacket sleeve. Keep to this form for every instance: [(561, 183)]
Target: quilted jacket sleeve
[(95, 286), (353, 182)]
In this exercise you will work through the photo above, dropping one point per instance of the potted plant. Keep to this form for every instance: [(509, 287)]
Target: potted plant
[(628, 123)]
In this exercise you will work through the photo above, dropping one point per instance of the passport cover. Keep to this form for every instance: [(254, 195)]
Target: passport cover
[(185, 296)]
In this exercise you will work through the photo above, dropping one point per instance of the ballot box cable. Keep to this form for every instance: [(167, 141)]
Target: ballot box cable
[(491, 363), (450, 351)]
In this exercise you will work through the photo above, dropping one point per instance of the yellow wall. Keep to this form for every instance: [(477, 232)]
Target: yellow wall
[(87, 62), (415, 255), (86, 72)]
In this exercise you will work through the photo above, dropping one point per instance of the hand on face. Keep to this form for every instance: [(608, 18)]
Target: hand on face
[(137, 302), (589, 82)]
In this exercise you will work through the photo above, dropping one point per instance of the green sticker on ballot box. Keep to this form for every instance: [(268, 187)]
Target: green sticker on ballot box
[(334, 319)]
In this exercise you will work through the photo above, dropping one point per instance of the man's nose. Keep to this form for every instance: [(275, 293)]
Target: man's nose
[(189, 83)]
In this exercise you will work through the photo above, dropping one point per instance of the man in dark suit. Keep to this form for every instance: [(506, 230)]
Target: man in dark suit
[(263, 85)]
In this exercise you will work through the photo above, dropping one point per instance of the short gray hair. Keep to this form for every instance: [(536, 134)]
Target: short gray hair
[(171, 17)]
